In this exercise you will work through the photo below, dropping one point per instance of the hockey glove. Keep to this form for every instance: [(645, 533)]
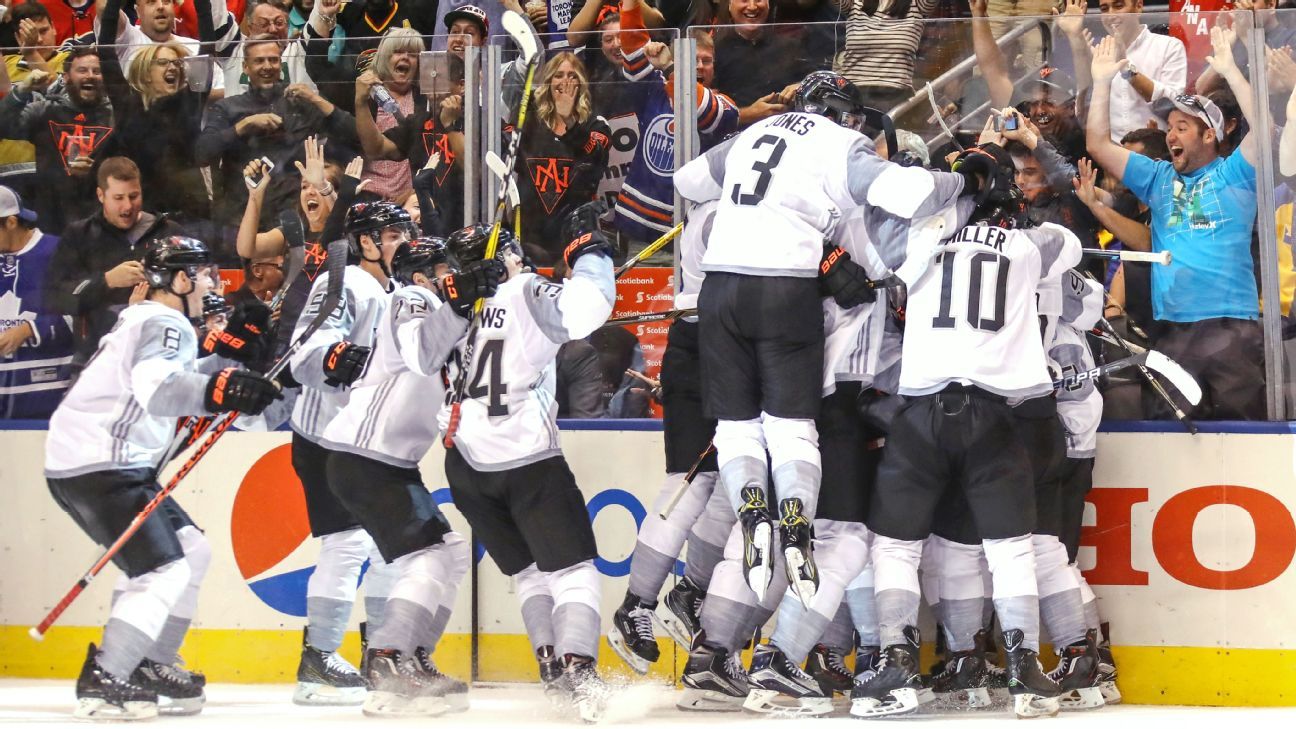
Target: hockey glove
[(243, 339), (582, 233), (344, 362), (241, 390), (843, 279), (477, 280)]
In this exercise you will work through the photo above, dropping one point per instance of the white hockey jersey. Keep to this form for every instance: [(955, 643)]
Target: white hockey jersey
[(356, 318), (390, 416), (853, 337), (972, 315), (784, 182), (692, 246), (1080, 406), (509, 416), (122, 411)]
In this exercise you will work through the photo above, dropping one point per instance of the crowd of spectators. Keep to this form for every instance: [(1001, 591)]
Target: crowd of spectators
[(122, 120)]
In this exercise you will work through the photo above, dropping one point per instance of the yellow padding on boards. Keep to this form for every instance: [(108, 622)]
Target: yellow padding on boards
[(1188, 676)]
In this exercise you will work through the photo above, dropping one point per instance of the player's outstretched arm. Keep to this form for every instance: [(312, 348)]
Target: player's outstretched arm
[(700, 181), (907, 192), (426, 332)]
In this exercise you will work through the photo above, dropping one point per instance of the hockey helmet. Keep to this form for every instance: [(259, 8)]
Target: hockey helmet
[(1000, 202), (469, 244), (372, 218), (421, 255), (165, 256), (215, 305), (832, 95)]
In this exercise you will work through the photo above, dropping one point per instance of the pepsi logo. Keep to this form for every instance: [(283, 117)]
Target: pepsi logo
[(270, 533)]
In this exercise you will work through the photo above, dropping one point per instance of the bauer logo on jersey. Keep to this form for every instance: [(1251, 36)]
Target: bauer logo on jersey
[(659, 144)]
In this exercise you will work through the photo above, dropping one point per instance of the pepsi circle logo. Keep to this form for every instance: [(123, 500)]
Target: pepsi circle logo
[(269, 529)]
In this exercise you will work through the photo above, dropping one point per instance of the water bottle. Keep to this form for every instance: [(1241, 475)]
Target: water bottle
[(384, 99)]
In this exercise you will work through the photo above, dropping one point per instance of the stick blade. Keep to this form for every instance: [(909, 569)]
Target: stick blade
[(1176, 375), (496, 165), (519, 29), (36, 635)]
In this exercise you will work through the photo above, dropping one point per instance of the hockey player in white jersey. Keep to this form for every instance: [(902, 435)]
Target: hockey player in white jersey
[(506, 470), (687, 436), (376, 442), (971, 343), (104, 439), (782, 184), (326, 366)]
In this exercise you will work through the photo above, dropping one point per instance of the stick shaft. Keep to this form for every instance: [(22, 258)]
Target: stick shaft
[(1164, 258), (652, 248), (688, 481)]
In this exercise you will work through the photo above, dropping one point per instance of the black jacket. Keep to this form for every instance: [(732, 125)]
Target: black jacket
[(89, 248)]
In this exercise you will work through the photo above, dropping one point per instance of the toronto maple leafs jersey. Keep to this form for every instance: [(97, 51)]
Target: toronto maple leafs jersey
[(390, 416), (122, 411), (34, 378), (1079, 406), (783, 184), (509, 415), (972, 316), (356, 318)]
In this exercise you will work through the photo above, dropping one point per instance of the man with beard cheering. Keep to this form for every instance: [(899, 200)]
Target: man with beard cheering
[(71, 128)]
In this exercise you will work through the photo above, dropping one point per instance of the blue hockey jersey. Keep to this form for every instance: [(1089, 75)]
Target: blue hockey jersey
[(645, 205), (33, 378)]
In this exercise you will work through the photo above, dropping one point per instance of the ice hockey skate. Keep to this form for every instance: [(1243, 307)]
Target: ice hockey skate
[(631, 635), (1107, 670), (897, 687), (867, 658), (780, 688), (758, 540), (179, 692), (827, 666), (714, 680), (965, 680), (556, 687), (454, 690), (1034, 694), (1077, 674), (682, 621), (589, 692), (327, 679), (104, 697), (795, 536), (399, 688)]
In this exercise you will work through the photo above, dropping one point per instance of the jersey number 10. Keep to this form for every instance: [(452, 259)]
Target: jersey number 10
[(944, 318)]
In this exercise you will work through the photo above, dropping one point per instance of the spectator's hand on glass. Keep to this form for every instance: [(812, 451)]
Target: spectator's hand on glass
[(312, 173), (1071, 20), (125, 275), (1221, 58), (1281, 68), (659, 55), (451, 109), (1107, 60), (266, 123), (1085, 182)]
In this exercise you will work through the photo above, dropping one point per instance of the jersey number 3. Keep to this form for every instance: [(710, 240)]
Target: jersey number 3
[(977, 281), (490, 365), (766, 169)]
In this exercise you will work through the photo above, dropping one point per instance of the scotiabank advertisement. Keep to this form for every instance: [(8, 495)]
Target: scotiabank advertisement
[(1189, 543)]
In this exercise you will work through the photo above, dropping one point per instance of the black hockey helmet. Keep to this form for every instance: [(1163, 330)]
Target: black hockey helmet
[(373, 217), (165, 256), (832, 95), (421, 255), (1000, 202), (214, 304), (469, 244)]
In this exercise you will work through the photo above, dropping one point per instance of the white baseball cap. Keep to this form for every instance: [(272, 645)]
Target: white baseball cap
[(11, 203), (1195, 106)]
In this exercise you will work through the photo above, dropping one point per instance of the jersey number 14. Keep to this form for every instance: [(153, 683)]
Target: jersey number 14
[(977, 281), (488, 381)]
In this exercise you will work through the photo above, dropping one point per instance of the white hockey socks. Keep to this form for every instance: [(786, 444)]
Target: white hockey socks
[(576, 593), (331, 590), (1016, 596), (138, 616), (895, 574), (197, 552)]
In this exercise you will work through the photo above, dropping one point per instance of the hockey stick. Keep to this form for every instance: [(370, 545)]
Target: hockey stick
[(500, 170), (520, 30), (333, 296), (652, 248), (1163, 258), (1079, 378), (688, 481), (1174, 372), (671, 315), (940, 119)]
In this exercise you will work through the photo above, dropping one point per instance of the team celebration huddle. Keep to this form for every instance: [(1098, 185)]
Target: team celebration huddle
[(878, 390)]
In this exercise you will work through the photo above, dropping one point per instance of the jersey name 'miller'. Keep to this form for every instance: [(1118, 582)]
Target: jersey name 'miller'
[(798, 123), (986, 235)]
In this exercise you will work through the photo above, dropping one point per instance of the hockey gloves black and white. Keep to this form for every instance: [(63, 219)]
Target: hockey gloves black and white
[(477, 280), (986, 170), (582, 233), (344, 362), (241, 390), (244, 337), (843, 279)]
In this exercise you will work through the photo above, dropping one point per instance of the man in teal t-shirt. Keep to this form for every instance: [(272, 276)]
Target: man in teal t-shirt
[(1203, 209)]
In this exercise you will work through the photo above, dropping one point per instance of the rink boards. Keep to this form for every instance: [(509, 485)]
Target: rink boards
[(1189, 542)]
